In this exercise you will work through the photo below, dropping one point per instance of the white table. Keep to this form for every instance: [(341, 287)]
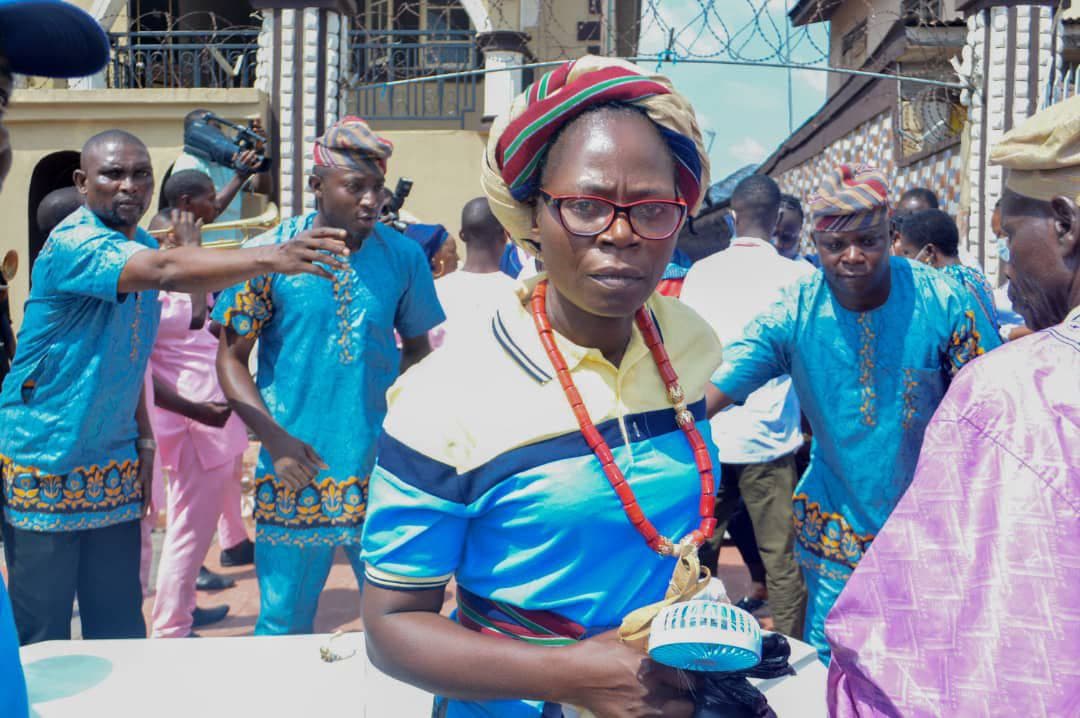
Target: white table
[(269, 677)]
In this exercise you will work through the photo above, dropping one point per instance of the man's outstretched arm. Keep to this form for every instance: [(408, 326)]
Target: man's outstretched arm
[(197, 270)]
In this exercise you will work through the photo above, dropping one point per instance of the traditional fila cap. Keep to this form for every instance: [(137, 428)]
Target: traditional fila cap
[(350, 143), (850, 198), (1042, 153)]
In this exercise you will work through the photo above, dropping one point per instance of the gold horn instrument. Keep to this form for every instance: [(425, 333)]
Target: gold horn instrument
[(10, 266), (8, 269), (269, 219)]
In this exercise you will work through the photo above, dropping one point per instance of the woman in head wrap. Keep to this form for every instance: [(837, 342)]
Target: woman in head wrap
[(441, 251), (566, 458)]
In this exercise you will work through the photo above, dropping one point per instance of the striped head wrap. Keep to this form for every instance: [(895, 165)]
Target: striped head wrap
[(850, 198), (520, 138), (350, 144), (1042, 153)]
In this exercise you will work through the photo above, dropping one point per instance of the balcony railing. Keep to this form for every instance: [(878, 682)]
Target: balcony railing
[(386, 56), (183, 58)]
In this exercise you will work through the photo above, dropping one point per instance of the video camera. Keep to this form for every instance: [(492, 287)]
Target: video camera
[(204, 137), (395, 202)]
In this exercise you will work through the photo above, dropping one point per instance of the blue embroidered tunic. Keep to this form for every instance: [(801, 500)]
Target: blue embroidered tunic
[(326, 356), (869, 383), (974, 281), (67, 407)]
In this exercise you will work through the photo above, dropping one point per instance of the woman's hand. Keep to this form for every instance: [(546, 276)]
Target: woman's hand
[(613, 680)]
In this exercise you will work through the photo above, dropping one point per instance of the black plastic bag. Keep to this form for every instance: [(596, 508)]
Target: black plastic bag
[(731, 695)]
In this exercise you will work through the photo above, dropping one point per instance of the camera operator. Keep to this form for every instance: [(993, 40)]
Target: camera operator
[(228, 181)]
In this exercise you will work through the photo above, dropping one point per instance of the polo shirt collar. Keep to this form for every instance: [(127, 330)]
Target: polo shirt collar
[(515, 330)]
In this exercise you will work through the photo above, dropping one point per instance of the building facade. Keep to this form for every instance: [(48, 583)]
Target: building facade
[(299, 65), (1000, 61)]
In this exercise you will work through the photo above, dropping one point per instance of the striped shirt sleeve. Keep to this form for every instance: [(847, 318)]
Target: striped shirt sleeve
[(415, 528)]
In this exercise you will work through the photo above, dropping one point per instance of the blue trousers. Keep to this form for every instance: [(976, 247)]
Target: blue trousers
[(821, 594), (291, 578)]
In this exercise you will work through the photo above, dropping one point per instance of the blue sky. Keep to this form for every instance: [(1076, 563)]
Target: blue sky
[(746, 107)]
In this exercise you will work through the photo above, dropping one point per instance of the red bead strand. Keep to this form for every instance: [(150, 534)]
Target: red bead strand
[(599, 447)]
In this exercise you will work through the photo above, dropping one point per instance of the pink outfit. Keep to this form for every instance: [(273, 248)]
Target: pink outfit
[(966, 603), (157, 495), (203, 465)]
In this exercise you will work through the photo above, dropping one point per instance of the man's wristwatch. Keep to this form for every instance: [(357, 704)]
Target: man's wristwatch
[(146, 445)]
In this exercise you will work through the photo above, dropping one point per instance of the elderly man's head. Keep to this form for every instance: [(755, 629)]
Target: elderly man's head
[(1044, 256), (1039, 214)]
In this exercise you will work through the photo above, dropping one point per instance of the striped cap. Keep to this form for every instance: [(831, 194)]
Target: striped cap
[(350, 144), (519, 139), (850, 198)]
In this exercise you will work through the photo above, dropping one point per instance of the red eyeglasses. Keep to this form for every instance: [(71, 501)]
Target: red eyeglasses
[(588, 216)]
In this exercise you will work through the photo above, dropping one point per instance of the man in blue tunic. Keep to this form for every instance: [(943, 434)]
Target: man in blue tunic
[(871, 343), (326, 357), (48, 40), (77, 451)]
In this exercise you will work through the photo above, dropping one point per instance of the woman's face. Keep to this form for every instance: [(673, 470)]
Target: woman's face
[(446, 259), (618, 156)]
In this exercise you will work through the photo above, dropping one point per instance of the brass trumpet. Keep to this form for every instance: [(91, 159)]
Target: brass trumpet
[(10, 266), (269, 219), (8, 269)]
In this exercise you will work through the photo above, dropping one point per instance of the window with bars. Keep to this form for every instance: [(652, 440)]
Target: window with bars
[(433, 34), (929, 117), (394, 40), (157, 47), (921, 12), (428, 16)]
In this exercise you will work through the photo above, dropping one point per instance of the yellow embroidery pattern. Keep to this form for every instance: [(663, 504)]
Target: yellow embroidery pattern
[(251, 309), (135, 321), (321, 512), (965, 345), (910, 383), (343, 282), (866, 371), (827, 535), (86, 497)]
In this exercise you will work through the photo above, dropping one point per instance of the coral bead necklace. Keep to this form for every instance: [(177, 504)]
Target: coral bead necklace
[(683, 417)]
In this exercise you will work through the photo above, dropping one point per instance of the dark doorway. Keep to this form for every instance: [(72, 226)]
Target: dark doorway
[(52, 172)]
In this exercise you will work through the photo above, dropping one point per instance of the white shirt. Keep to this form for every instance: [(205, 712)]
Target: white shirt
[(470, 299), (729, 289)]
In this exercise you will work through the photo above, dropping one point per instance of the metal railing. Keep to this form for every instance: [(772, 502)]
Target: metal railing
[(1065, 85), (388, 55), (182, 58)]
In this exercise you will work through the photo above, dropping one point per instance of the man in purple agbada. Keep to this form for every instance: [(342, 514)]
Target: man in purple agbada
[(967, 602)]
